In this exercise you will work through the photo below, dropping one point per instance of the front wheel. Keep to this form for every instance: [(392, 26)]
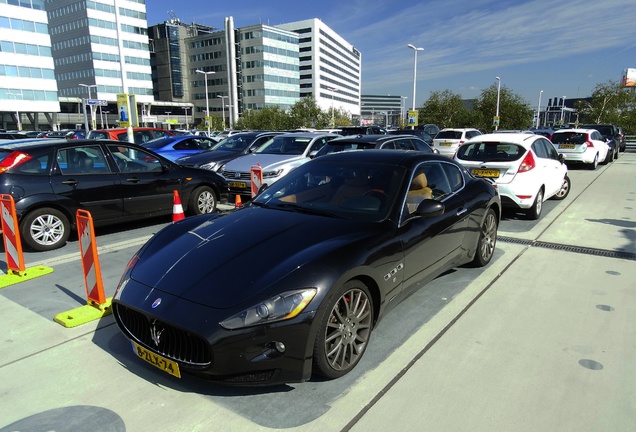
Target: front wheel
[(487, 240), (202, 201), (565, 189), (344, 331), (45, 229)]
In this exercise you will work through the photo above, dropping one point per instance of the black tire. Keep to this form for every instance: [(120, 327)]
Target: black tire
[(534, 212), (594, 164), (202, 201), (344, 330), (487, 240), (565, 189), (45, 229)]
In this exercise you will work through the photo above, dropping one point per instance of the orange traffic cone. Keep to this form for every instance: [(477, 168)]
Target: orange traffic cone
[(177, 208), (237, 202)]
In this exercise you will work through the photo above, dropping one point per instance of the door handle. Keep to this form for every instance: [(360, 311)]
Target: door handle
[(70, 182), (133, 180), (461, 211)]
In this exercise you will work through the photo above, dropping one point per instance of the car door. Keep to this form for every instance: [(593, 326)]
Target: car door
[(431, 243), (556, 171), (147, 182), (83, 176)]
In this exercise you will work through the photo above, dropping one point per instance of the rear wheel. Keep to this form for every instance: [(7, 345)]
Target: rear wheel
[(202, 201), (565, 189), (487, 240), (594, 164), (344, 330), (45, 229), (534, 212)]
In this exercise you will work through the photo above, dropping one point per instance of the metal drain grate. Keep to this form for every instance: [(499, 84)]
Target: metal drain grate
[(571, 248)]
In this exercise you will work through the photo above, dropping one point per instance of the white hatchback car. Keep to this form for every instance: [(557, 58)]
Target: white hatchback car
[(526, 168), (581, 146), (448, 140)]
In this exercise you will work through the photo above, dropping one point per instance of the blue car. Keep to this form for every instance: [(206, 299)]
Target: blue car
[(174, 147)]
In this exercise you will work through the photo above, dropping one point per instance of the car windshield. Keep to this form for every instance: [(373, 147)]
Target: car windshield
[(490, 152), (569, 138), (358, 191), (449, 135), (285, 145), (234, 143)]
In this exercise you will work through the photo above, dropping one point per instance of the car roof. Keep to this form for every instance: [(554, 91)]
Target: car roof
[(511, 137), (369, 138), (579, 130), (405, 158), (310, 135)]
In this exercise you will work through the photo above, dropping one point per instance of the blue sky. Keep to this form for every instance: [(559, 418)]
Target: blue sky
[(563, 48)]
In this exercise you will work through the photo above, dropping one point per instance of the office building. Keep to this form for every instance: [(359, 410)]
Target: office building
[(385, 110), (28, 90)]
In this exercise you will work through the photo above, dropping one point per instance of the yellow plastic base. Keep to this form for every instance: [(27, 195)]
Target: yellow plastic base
[(84, 314), (13, 278)]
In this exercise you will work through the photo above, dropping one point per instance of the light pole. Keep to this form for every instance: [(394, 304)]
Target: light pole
[(415, 50), (229, 124), (106, 116), (207, 102), (167, 113), (497, 110), (562, 110), (93, 119), (185, 109), (402, 109), (223, 107), (17, 113), (539, 109), (333, 90)]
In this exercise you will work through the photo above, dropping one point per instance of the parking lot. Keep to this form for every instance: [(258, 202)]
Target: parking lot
[(540, 339)]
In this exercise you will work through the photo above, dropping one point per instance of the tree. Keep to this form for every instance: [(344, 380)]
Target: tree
[(610, 103), (445, 109), (514, 112), (307, 114), (268, 118)]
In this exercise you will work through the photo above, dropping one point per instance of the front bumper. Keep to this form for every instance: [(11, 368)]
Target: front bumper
[(192, 337)]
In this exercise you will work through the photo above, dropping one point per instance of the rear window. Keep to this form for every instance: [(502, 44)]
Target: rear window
[(98, 135), (449, 135), (490, 152), (333, 147), (606, 131), (569, 138)]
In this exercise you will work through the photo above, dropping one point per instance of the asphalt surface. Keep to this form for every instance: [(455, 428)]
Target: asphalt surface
[(541, 339)]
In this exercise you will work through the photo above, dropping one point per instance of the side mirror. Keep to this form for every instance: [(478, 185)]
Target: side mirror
[(561, 158), (430, 208)]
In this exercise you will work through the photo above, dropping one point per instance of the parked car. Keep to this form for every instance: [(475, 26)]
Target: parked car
[(50, 179), (362, 130), (431, 129), (230, 148), (612, 135), (174, 147), (448, 140), (581, 146), (277, 157), (621, 137), (526, 168), (324, 253), (387, 142), (12, 135), (140, 134), (420, 133), (545, 132)]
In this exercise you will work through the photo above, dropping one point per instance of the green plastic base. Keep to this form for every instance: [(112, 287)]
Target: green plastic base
[(84, 314), (28, 274)]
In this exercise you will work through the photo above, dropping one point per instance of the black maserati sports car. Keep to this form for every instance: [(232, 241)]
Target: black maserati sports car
[(294, 283)]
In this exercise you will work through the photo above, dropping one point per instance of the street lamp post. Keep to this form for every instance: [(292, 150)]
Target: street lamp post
[(563, 110), (402, 109), (167, 113), (333, 90), (498, 95), (93, 119), (207, 102), (415, 50), (223, 107), (539, 109), (106, 117), (18, 118)]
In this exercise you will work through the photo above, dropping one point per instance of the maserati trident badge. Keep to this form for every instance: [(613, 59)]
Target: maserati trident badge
[(155, 332)]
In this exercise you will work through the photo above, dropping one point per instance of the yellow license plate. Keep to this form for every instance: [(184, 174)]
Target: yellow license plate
[(566, 146), (241, 185), (446, 144), (157, 361), (485, 172)]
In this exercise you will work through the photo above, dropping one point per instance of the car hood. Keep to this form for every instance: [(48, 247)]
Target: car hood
[(223, 261), (267, 161), (208, 156)]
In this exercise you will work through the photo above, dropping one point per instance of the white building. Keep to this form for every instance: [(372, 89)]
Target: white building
[(100, 48), (330, 67), (27, 78)]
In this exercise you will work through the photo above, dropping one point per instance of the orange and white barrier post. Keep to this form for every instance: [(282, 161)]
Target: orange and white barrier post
[(11, 235), (256, 176), (90, 260), (177, 208)]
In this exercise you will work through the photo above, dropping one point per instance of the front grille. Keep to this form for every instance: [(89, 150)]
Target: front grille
[(248, 377), (174, 343), (232, 175)]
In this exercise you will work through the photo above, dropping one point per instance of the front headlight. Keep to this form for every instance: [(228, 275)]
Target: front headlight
[(209, 166), (272, 174), (278, 308)]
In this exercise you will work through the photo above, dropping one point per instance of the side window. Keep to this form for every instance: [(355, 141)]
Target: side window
[(539, 149), (34, 166), (131, 159), (388, 145), (82, 160), (405, 144), (142, 136), (552, 152), (455, 177)]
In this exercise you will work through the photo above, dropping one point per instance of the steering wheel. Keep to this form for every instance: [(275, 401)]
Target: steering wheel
[(122, 164), (377, 193)]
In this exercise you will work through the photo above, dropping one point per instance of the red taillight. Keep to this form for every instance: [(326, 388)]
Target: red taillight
[(589, 144), (14, 158), (527, 163)]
